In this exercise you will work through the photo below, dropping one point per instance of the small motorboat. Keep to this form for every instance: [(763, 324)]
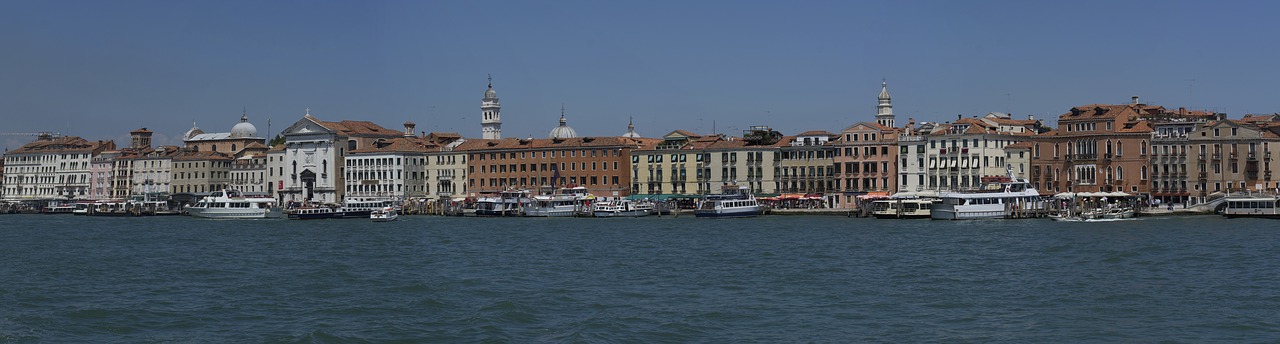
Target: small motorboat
[(385, 214)]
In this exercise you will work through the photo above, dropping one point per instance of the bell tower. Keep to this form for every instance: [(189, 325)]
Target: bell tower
[(491, 114)]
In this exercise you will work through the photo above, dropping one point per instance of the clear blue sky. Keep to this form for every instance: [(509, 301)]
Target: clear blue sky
[(98, 69)]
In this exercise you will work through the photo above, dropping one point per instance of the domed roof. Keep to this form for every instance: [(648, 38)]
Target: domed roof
[(244, 128), (192, 132), (563, 131), (884, 91), (631, 130), (490, 93)]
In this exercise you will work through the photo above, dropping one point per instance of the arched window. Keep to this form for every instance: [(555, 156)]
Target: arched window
[(1119, 172), (351, 145), (1142, 175), (1108, 146), (1119, 148), (233, 148), (214, 148), (1143, 148)]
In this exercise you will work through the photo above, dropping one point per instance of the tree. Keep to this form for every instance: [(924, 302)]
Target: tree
[(279, 139)]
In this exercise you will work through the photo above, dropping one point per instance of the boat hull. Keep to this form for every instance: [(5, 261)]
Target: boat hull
[(222, 213), (629, 213), (726, 213)]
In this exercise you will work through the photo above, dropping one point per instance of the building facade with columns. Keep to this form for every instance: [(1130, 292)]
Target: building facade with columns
[(315, 153)]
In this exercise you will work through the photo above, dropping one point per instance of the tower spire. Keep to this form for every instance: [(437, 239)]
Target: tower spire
[(490, 113), (884, 108)]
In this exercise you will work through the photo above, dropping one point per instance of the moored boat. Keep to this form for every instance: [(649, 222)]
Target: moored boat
[(506, 203), (893, 208), (569, 201), (231, 204), (1261, 206), (731, 202), (998, 198), (622, 208)]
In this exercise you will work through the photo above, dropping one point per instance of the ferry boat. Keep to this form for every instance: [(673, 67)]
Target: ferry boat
[(731, 202), (353, 208), (622, 208), (1252, 206), (386, 214), (506, 203), (897, 208), (569, 201), (998, 198), (230, 204)]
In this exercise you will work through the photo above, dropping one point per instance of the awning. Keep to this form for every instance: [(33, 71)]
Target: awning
[(933, 163), (873, 195), (964, 163)]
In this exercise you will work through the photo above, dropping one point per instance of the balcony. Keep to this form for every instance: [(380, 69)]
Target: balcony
[(1204, 176), (1106, 157), (1217, 156), (1253, 156)]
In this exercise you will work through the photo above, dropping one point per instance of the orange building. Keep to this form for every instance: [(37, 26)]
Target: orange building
[(601, 164)]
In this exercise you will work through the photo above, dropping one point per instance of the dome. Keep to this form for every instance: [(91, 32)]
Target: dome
[(192, 132), (563, 131), (244, 128), (490, 93), (631, 130), (884, 91)]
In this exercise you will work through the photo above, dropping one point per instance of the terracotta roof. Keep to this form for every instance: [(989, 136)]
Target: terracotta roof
[(685, 133), (255, 145), (64, 144), (1019, 145), (187, 155), (816, 133), (359, 128), (577, 142), (399, 145)]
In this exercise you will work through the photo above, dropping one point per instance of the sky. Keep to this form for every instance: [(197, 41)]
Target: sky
[(99, 69)]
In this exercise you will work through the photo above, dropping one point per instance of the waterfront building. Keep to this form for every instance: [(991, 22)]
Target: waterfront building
[(275, 171), (249, 169), (1096, 148), (912, 153), (1231, 156), (1170, 143), (960, 153), (393, 168), (151, 172), (446, 167), (683, 163), (865, 162), (199, 173), (241, 135), (1018, 157), (490, 114), (315, 152), (807, 163), (674, 156), (51, 168), (597, 163), (100, 175)]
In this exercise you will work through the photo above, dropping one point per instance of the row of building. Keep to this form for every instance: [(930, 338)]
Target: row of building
[(1177, 155)]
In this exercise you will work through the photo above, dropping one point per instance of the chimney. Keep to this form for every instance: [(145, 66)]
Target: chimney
[(959, 116), (408, 129), (1182, 111), (1031, 117), (1135, 100)]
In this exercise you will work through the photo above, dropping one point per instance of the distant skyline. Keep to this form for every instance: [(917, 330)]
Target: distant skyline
[(100, 69)]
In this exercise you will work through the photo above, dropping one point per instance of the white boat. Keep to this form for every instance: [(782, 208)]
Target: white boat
[(230, 204), (996, 199), (568, 201), (622, 208), (353, 208), (911, 208), (731, 202), (506, 203), (386, 214), (1262, 206)]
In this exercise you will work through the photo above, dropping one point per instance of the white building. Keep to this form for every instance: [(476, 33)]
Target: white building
[(51, 168), (314, 156)]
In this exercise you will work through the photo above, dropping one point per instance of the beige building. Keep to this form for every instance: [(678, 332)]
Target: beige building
[(200, 173), (684, 163), (807, 163), (1231, 156), (446, 167)]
